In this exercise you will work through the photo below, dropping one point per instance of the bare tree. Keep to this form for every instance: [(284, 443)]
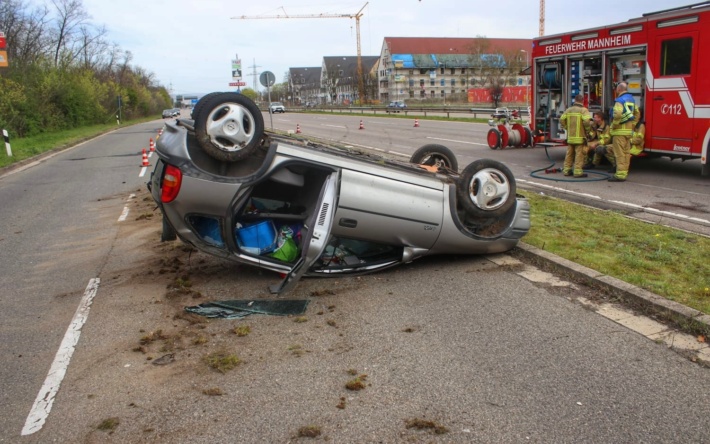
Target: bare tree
[(70, 17), (145, 78), (25, 30), (371, 88), (92, 46), (124, 67)]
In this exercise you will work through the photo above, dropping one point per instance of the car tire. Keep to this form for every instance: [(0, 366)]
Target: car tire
[(494, 138), (434, 154), (168, 233), (229, 126), (201, 103), (486, 188)]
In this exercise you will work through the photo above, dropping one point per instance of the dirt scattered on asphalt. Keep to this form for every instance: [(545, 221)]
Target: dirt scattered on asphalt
[(425, 424)]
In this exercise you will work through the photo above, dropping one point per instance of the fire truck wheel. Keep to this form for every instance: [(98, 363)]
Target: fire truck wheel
[(494, 138), (486, 188), (437, 155), (529, 137)]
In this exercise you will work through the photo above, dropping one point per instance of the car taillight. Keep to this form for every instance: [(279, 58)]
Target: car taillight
[(172, 179)]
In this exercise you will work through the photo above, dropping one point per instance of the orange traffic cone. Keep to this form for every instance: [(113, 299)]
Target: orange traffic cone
[(145, 159), (361, 125), (152, 145), (416, 123), (298, 129)]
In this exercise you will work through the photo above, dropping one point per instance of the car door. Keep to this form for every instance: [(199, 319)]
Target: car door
[(389, 207), (315, 234)]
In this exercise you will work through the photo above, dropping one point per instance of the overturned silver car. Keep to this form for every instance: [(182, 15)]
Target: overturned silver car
[(300, 207)]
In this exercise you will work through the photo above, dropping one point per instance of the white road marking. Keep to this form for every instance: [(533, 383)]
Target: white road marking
[(45, 397), (398, 154), (143, 170), (621, 203), (150, 154), (335, 126), (458, 141), (124, 213)]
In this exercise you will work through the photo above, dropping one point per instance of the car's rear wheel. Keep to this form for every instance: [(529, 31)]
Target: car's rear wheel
[(201, 103), (229, 126), (435, 155), (486, 188)]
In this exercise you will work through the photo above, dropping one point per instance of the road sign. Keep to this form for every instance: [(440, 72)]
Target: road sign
[(237, 83), (3, 42), (267, 78), (3, 59)]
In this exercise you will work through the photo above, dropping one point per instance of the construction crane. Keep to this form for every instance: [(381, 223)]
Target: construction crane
[(356, 16), (542, 18)]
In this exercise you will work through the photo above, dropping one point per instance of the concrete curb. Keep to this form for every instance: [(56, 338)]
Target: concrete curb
[(688, 319)]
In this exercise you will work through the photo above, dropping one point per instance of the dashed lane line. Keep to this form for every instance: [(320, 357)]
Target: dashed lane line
[(124, 213), (45, 398)]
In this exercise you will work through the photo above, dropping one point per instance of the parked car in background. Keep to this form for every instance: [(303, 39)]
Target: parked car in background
[(277, 107), (233, 190), (168, 113), (396, 106)]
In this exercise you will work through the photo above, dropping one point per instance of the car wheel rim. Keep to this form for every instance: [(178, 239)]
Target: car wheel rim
[(437, 161), (230, 127), (489, 189)]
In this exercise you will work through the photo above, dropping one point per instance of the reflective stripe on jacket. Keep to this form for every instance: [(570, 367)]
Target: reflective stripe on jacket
[(624, 115), (576, 120)]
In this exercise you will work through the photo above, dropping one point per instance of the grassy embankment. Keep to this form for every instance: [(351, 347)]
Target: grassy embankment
[(665, 261), (31, 146)]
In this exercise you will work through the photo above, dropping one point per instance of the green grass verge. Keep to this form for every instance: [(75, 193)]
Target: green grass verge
[(31, 146), (668, 262)]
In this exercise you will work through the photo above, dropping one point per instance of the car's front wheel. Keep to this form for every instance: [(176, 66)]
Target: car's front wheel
[(229, 126), (486, 188), (435, 155)]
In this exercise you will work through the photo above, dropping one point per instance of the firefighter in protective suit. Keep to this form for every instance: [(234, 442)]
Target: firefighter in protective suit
[(577, 122), (625, 115), (637, 138), (599, 143)]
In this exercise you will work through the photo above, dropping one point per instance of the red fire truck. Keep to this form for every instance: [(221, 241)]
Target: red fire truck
[(663, 56)]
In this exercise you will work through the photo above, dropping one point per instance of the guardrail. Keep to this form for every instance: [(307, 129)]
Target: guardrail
[(423, 111)]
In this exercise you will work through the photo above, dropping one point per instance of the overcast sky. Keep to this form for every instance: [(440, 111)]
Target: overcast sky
[(189, 44)]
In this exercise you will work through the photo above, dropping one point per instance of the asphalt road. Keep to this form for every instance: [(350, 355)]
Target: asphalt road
[(471, 346), (658, 190), (57, 228)]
